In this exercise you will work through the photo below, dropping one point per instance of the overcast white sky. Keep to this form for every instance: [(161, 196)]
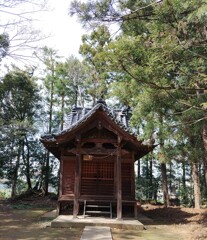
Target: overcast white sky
[(65, 30)]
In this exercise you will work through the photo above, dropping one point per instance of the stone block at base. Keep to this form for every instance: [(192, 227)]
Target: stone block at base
[(94, 233), (65, 221)]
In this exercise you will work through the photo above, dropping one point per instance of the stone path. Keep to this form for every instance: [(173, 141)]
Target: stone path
[(96, 233)]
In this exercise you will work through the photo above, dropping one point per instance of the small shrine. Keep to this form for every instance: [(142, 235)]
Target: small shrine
[(97, 152)]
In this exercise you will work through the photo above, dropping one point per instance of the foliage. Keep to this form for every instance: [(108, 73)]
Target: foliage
[(154, 64), (64, 86), (19, 101), (4, 45), (92, 49), (158, 68)]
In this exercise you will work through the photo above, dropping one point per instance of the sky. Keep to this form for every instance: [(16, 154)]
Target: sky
[(65, 31)]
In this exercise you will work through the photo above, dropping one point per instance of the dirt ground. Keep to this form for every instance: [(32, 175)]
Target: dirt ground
[(188, 223), (22, 220)]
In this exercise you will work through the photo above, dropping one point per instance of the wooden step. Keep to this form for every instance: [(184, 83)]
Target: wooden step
[(97, 209), (97, 212), (98, 206)]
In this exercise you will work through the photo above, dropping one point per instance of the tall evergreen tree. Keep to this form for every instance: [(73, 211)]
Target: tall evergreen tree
[(92, 49), (18, 101), (158, 61), (64, 87), (49, 57)]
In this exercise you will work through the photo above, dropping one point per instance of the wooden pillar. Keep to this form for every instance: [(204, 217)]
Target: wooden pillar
[(61, 177), (133, 185), (77, 182), (60, 185), (76, 186), (133, 175), (118, 183), (135, 210)]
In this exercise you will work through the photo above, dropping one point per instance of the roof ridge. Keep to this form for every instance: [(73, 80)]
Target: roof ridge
[(81, 114)]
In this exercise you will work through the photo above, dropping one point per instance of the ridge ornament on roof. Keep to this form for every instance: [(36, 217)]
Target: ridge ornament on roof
[(79, 115)]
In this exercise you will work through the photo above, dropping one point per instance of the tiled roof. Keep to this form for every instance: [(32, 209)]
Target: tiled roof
[(79, 115)]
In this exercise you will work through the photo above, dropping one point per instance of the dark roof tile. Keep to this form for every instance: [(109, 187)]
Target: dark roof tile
[(79, 115)]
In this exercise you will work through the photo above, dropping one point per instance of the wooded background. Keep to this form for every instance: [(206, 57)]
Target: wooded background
[(148, 56)]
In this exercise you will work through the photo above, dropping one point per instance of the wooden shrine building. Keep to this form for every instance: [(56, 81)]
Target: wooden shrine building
[(97, 151)]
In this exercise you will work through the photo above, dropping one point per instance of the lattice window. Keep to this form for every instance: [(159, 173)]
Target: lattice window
[(97, 178), (103, 170)]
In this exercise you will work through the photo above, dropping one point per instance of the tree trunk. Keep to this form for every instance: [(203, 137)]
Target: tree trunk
[(46, 173), (138, 168), (47, 159), (184, 183), (183, 175), (204, 137), (205, 174), (170, 178), (62, 111), (163, 166), (150, 180), (27, 164), (164, 185), (147, 177), (196, 186), (15, 176)]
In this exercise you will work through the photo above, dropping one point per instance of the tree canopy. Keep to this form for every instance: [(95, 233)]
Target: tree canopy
[(157, 65), (147, 56)]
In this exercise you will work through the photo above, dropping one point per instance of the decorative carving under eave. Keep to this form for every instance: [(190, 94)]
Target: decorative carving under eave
[(94, 151), (99, 146), (77, 138), (72, 150), (100, 125)]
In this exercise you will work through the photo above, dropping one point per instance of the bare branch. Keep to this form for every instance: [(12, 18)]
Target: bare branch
[(17, 21)]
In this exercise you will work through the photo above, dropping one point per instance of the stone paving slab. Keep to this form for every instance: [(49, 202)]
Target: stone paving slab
[(68, 221), (96, 233)]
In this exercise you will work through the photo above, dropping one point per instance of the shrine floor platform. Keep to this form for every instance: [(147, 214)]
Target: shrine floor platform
[(65, 221)]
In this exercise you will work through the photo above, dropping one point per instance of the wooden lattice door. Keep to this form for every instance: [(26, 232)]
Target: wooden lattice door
[(97, 178)]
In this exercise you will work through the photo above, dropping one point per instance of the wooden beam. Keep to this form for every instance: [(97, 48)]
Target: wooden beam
[(133, 186), (61, 177), (99, 140), (118, 183), (93, 151), (77, 182), (133, 176)]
